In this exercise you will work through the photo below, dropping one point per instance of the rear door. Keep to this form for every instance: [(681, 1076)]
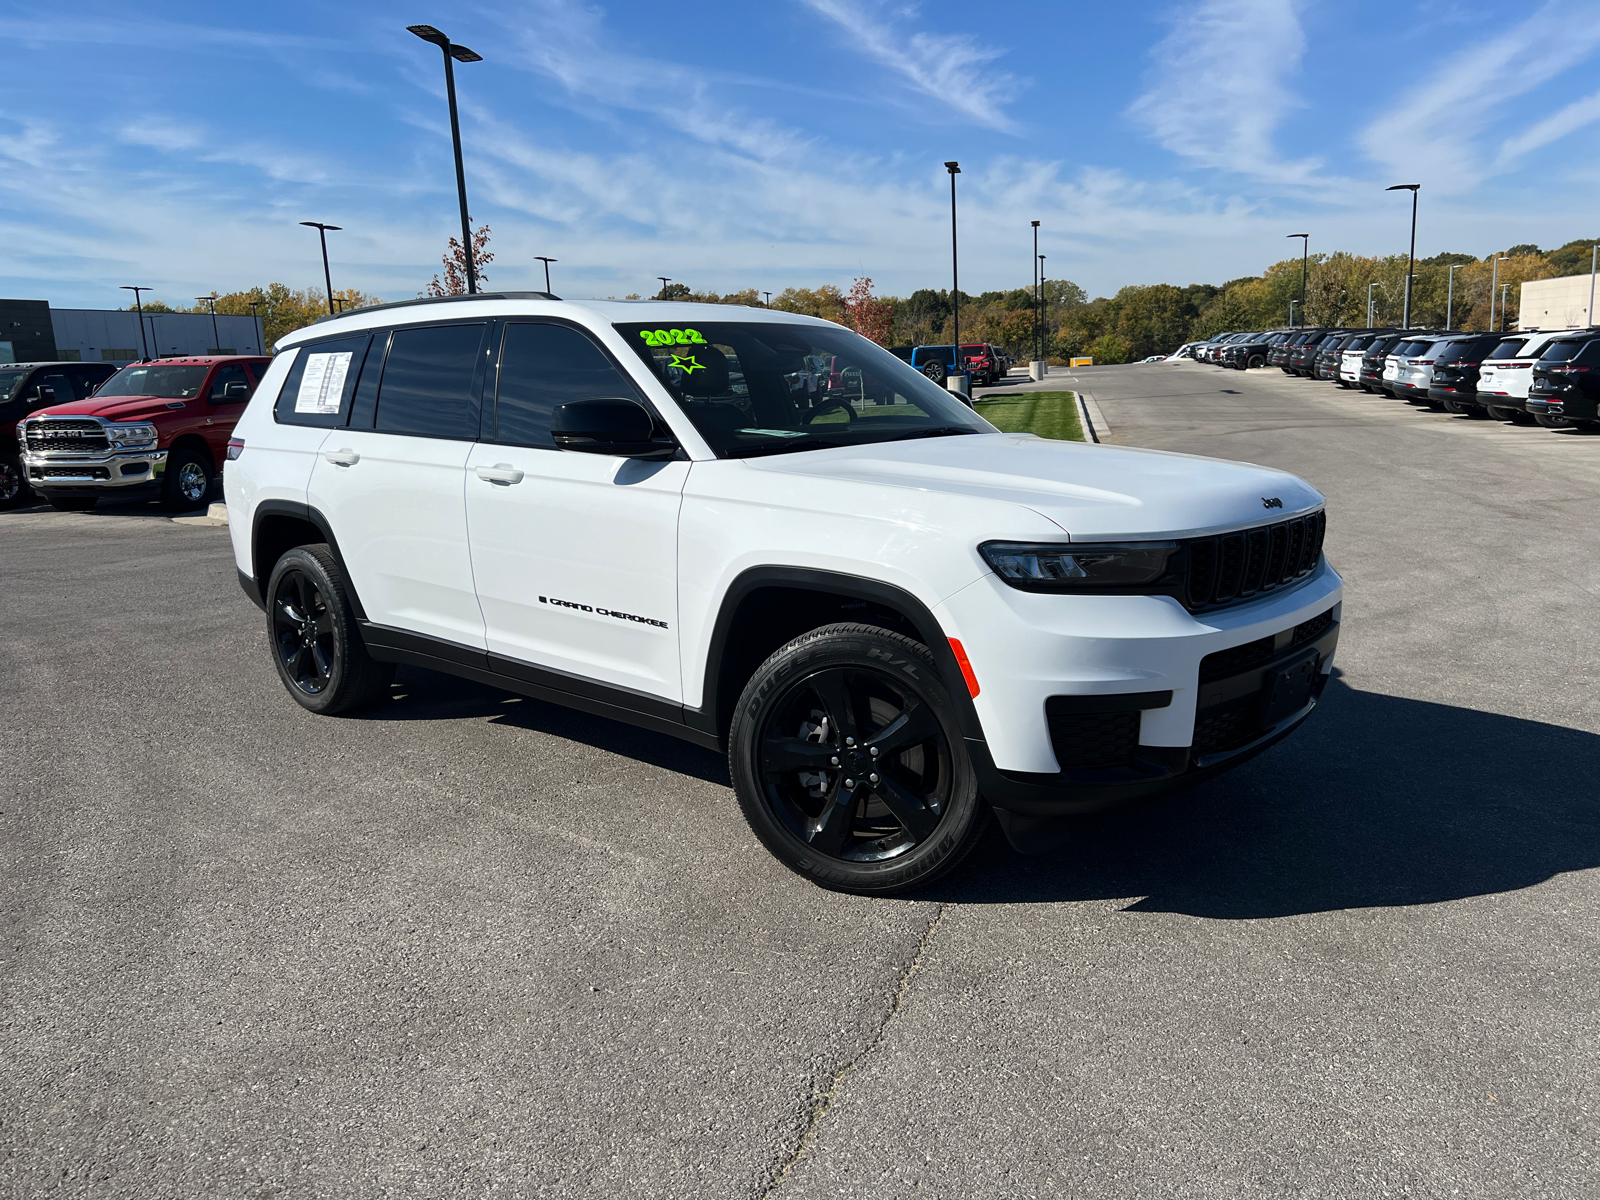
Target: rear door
[(574, 554), (390, 481)]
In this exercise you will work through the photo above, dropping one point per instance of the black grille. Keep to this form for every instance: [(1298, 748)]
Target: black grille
[(1236, 566), (1235, 659), (1226, 728), (1091, 741), (67, 435), (1309, 631)]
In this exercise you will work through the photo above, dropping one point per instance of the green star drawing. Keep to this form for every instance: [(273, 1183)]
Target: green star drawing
[(687, 365)]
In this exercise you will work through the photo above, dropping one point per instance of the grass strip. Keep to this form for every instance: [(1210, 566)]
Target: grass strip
[(1048, 414)]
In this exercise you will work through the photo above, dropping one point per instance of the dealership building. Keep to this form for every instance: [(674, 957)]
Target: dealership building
[(32, 331), (1556, 303)]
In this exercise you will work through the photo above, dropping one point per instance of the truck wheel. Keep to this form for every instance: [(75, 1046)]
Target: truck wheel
[(72, 503), (186, 481), (849, 763), (934, 371), (13, 483), (313, 637)]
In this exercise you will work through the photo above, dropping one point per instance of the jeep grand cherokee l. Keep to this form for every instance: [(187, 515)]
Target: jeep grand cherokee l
[(764, 534)]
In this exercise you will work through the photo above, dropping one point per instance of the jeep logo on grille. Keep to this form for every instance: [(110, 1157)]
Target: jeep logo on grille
[(1273, 502)]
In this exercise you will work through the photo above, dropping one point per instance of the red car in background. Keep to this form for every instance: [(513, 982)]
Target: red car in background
[(153, 428)]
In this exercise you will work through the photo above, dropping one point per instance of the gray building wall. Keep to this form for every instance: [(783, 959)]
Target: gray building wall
[(102, 335), (25, 331)]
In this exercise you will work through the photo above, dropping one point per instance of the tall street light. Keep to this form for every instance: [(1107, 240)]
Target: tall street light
[(1036, 291), (1305, 252), (144, 346), (459, 54), (216, 338), (261, 331), (546, 260), (955, 278), (322, 232), (1411, 260), (1042, 324), (1504, 288), (1370, 286), (1494, 284), (1594, 261), (768, 295), (1292, 303), (664, 281), (1450, 301)]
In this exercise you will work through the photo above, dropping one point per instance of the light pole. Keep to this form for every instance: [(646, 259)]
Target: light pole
[(1305, 251), (261, 333), (1370, 286), (460, 54), (1042, 319), (768, 295), (322, 232), (1036, 323), (1504, 288), (955, 277), (1292, 303), (144, 346), (216, 338), (1411, 260), (664, 281), (1494, 284), (1450, 301), (546, 260)]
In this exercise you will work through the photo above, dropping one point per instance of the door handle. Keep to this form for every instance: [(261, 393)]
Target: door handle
[(499, 473), (342, 458)]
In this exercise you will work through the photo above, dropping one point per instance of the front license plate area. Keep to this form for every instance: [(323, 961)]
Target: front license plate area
[(1288, 690)]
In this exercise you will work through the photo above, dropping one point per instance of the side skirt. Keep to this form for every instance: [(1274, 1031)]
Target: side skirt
[(387, 644)]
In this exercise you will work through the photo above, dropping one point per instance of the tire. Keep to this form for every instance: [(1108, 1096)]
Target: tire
[(821, 700), (72, 503), (934, 371), (313, 637), (1256, 360), (187, 480), (1553, 420), (13, 482)]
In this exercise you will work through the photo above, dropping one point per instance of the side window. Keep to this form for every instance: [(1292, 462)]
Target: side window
[(56, 381), (231, 373), (86, 378), (541, 368), (427, 387), (318, 387)]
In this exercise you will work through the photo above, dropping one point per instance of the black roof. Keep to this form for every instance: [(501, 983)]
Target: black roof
[(439, 300)]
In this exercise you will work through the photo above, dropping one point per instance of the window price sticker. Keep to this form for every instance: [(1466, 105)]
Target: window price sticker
[(322, 386)]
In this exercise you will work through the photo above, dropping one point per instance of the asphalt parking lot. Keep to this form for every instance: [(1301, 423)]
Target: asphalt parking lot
[(474, 945)]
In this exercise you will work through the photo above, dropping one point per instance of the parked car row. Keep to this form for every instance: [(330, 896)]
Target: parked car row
[(72, 432), (986, 363), (1549, 376)]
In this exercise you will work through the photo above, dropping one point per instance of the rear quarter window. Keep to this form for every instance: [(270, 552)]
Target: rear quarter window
[(319, 385)]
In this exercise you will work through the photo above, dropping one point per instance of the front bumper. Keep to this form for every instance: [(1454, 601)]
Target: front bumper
[(87, 473), (1088, 700)]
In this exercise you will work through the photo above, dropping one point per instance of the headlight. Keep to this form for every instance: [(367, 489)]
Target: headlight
[(134, 434), (1078, 568)]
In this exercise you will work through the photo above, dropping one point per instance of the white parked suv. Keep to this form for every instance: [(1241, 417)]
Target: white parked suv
[(1507, 373), (766, 535)]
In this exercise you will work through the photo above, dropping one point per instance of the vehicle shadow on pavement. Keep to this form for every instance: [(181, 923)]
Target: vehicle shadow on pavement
[(419, 695), (1379, 801)]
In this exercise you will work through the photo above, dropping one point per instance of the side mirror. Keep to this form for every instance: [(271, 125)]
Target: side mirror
[(613, 426), (236, 391), (45, 393)]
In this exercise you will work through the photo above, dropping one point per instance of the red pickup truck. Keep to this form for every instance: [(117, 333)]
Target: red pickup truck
[(158, 427)]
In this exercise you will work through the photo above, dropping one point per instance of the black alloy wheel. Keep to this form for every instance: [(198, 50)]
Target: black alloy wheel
[(934, 371), (13, 484), (316, 644), (1256, 360), (849, 765)]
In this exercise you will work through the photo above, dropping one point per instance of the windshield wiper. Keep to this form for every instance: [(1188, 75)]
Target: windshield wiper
[(938, 431), (783, 448)]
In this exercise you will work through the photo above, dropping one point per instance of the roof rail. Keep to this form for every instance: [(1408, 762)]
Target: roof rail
[(439, 300)]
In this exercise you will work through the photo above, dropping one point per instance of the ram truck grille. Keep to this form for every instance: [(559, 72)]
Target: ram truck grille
[(67, 435)]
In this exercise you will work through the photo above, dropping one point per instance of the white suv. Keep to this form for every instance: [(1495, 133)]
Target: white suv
[(1507, 373), (766, 535)]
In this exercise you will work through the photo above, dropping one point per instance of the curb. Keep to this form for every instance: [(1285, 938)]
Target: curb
[(216, 514), (1094, 421)]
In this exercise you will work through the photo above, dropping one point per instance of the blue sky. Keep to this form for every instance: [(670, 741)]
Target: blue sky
[(778, 143)]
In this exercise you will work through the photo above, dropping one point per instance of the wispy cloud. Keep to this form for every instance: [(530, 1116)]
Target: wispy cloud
[(1218, 105), (952, 68), (1554, 127), (1433, 133)]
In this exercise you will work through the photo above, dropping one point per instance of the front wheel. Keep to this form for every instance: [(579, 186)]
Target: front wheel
[(186, 481), (849, 763), (13, 483), (1256, 360), (311, 629)]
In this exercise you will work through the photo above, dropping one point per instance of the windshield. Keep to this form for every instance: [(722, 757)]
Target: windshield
[(9, 381), (169, 383), (1508, 348), (760, 388)]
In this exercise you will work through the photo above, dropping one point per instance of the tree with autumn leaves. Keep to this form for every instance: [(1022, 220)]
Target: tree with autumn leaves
[(455, 265)]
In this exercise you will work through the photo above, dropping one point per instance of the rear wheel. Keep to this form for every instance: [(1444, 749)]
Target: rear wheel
[(1256, 360), (312, 632), (849, 763), (1553, 420), (934, 371)]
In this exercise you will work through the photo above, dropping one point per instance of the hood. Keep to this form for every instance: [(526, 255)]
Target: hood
[(118, 408), (1092, 492)]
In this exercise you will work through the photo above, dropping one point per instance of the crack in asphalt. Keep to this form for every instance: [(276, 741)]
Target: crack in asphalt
[(822, 1100)]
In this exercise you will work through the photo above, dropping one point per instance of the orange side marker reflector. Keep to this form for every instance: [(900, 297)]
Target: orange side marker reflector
[(966, 667)]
